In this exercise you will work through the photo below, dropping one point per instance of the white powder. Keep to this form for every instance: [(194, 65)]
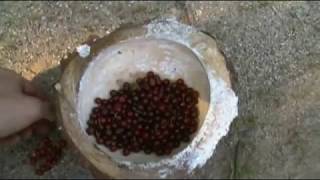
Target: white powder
[(57, 86), (222, 110), (170, 29), (83, 50)]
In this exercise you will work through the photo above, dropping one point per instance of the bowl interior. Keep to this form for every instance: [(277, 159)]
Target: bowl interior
[(125, 61)]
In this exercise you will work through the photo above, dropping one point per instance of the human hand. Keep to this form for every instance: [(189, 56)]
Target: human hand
[(21, 108)]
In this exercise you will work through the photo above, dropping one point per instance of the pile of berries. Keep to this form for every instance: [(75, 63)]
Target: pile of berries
[(152, 115), (47, 155)]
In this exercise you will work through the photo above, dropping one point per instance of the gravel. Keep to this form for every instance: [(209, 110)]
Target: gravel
[(273, 46)]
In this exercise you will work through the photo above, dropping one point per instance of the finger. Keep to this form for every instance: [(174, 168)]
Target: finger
[(20, 112), (30, 89), (25, 134), (10, 81), (35, 109), (39, 128), (10, 140), (42, 127)]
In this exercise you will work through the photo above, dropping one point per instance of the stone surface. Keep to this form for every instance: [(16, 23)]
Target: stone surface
[(273, 46)]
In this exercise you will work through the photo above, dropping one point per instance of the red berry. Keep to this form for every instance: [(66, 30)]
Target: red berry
[(166, 82), (154, 116), (126, 86), (39, 172), (62, 143), (98, 101), (180, 82), (167, 151), (100, 141), (150, 74), (147, 151), (33, 160), (113, 148), (152, 82), (126, 152), (122, 99)]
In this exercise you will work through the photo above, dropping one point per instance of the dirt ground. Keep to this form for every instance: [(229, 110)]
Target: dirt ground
[(274, 48)]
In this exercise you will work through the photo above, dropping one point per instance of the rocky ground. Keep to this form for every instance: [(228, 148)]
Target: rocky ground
[(273, 46)]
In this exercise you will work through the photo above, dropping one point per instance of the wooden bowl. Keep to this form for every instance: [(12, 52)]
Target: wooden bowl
[(169, 48)]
